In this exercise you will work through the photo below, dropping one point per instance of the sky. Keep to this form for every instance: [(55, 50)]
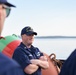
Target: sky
[(46, 17)]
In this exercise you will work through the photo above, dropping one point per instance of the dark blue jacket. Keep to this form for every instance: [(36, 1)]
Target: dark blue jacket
[(23, 55), (9, 66), (69, 66)]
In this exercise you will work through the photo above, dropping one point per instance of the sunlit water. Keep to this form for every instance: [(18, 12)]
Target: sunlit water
[(62, 47)]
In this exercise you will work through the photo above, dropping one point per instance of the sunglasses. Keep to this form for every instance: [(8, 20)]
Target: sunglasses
[(8, 9)]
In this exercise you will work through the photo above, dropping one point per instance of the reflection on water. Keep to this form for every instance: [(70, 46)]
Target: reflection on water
[(62, 47)]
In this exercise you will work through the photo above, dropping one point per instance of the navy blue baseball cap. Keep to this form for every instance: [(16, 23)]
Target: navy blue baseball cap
[(6, 3), (28, 31)]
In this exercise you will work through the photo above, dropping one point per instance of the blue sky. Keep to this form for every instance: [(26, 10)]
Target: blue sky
[(46, 17)]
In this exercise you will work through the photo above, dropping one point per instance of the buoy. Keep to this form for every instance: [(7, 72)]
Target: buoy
[(8, 45), (52, 70)]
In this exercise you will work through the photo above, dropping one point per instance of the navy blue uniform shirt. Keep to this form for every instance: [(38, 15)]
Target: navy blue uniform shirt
[(69, 66), (9, 66), (23, 55)]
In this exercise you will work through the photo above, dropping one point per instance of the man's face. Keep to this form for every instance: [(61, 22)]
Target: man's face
[(28, 39), (4, 12)]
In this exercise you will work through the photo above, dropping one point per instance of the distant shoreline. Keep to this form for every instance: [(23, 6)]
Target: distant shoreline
[(48, 37), (55, 37)]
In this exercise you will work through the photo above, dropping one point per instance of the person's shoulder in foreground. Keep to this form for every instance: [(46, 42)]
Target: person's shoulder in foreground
[(69, 66), (9, 66)]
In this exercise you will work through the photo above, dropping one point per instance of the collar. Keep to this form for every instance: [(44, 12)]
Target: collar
[(24, 46)]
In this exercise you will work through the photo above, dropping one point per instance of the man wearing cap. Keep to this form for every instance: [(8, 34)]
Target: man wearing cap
[(29, 57), (7, 65)]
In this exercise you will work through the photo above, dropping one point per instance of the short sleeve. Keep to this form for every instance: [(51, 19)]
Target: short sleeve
[(21, 58)]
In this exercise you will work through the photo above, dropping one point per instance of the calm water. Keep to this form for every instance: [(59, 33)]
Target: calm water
[(62, 47)]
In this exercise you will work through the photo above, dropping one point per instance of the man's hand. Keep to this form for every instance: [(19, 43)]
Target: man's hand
[(43, 58), (35, 61), (42, 62)]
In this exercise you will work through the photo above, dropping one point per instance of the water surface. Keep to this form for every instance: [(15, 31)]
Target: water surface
[(62, 47)]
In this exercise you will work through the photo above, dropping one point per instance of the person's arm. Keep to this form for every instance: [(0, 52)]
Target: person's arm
[(42, 62), (31, 68), (24, 61)]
